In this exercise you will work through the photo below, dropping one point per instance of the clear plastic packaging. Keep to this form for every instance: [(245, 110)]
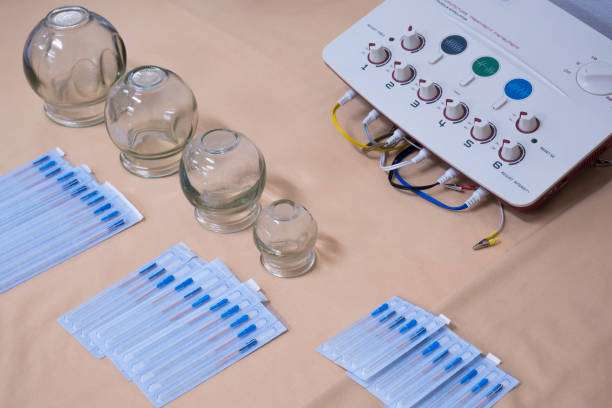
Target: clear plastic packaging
[(381, 337), (122, 296), (152, 314), (411, 380), (463, 382), (207, 365)]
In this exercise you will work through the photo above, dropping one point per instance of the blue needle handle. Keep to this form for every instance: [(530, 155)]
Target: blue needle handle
[(431, 348), (200, 300), (53, 172), (219, 304), (148, 268), (469, 376), (193, 292), (239, 321), (440, 357), (230, 311), (109, 216), (165, 281), (89, 195), (453, 363), (184, 284), (380, 309), (41, 160), (388, 316), (408, 326), (47, 166), (102, 208), (156, 274), (495, 390), (66, 176), (247, 331), (480, 384)]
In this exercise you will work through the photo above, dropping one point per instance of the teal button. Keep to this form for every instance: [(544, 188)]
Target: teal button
[(485, 66)]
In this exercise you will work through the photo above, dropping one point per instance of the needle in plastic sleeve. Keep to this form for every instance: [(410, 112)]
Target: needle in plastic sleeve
[(141, 273), (224, 315), (490, 395), (178, 288), (186, 297), (232, 325), (418, 333), (382, 320), (473, 391), (396, 323), (211, 309)]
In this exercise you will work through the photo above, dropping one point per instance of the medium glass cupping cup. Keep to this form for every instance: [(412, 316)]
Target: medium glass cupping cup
[(285, 233), (71, 59), (151, 114), (223, 174)]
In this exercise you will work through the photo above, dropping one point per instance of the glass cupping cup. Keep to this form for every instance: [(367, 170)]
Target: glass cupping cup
[(151, 115), (285, 233), (71, 59), (223, 174)]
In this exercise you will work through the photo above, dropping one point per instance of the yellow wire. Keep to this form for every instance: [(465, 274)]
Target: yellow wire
[(353, 141)]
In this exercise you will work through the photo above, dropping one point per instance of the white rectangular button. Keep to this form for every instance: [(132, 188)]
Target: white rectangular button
[(501, 102), (467, 80), (436, 58)]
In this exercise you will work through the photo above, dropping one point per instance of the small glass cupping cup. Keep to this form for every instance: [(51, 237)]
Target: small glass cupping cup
[(151, 115), (285, 233), (71, 59), (223, 174)]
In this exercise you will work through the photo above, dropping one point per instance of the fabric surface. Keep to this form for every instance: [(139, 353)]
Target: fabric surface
[(539, 300)]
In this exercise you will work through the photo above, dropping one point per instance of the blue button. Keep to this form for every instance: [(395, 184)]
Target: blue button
[(454, 44), (518, 89)]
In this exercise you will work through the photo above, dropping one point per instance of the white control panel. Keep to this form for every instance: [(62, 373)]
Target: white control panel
[(514, 94)]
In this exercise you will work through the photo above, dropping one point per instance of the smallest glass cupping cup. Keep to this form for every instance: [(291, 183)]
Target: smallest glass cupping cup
[(71, 59), (285, 233), (151, 114), (222, 174)]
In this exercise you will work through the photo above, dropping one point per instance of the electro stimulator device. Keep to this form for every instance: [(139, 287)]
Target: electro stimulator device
[(514, 94)]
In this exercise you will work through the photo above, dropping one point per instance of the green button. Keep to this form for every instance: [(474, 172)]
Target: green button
[(485, 66)]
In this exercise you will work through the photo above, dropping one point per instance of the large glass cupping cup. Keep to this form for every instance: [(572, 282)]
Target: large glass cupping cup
[(71, 59), (223, 175), (151, 114), (285, 233)]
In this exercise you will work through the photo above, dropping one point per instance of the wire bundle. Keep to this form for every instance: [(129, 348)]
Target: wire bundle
[(398, 140)]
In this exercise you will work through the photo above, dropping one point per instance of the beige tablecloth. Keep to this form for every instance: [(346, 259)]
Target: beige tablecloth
[(540, 300)]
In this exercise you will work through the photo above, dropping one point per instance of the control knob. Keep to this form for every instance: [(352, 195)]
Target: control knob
[(428, 91), (403, 72), (455, 110), (527, 123), (378, 54), (412, 41), (482, 130), (511, 151)]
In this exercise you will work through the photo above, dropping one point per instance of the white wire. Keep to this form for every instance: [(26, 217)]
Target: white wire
[(503, 217), (366, 130), (392, 167)]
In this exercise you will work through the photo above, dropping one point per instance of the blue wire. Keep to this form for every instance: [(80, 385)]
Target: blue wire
[(421, 194)]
